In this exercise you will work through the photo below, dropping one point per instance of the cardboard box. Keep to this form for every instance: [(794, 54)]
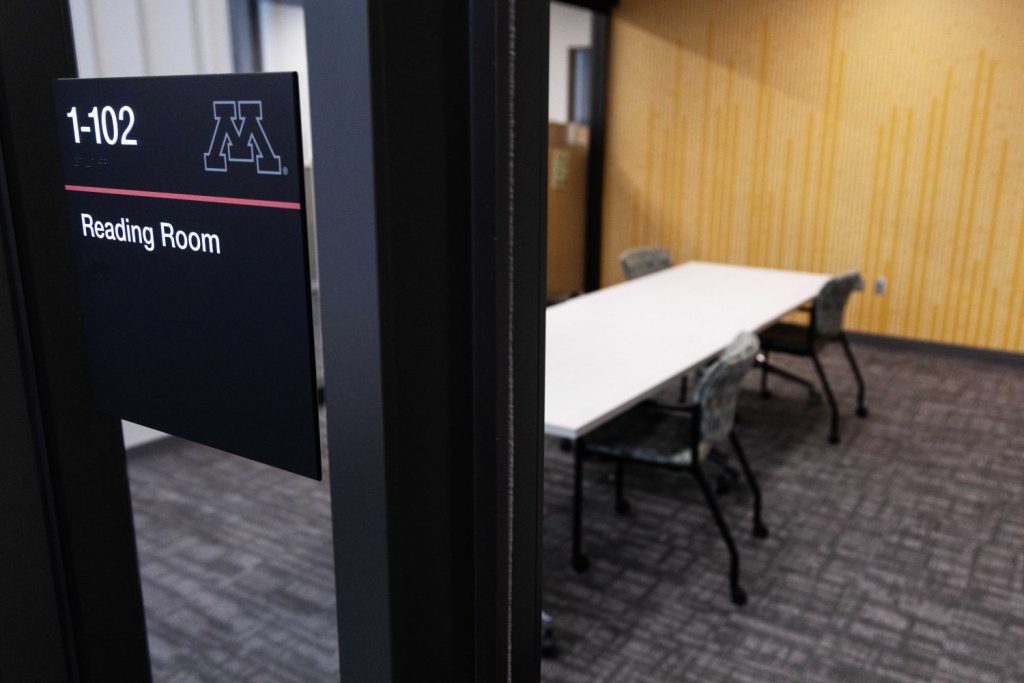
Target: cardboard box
[(567, 207)]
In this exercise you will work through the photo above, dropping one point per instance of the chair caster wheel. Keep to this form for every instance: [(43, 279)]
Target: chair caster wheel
[(766, 395), (548, 647), (760, 530), (580, 563), (623, 507), (833, 438), (739, 596), (565, 445), (862, 412)]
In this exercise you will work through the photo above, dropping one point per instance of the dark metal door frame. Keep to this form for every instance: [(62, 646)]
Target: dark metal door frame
[(509, 53), (73, 477), (429, 123), (26, 501), (600, 35), (599, 42)]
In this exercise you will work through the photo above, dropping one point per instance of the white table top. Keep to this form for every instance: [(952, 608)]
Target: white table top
[(610, 349)]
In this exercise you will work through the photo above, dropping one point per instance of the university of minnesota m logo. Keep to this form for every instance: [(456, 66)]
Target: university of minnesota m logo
[(238, 136)]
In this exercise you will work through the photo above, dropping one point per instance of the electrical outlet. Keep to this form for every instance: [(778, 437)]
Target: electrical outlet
[(880, 285)]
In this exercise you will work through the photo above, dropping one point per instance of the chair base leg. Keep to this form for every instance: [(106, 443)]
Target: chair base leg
[(760, 528), (580, 563), (726, 477), (862, 409), (833, 432), (737, 594), (762, 360), (813, 395), (622, 505)]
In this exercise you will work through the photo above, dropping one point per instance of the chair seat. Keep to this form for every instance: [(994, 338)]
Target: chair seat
[(646, 434), (786, 338)]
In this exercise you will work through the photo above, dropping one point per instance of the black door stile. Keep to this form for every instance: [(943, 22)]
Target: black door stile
[(35, 619), (83, 449), (450, 243)]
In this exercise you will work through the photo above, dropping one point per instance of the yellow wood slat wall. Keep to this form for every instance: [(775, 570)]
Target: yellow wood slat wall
[(881, 135)]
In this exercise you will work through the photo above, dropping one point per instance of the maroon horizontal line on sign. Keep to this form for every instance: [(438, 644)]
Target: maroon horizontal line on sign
[(241, 201)]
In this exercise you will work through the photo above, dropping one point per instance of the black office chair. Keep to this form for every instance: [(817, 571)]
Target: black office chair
[(677, 437), (825, 327), (640, 261)]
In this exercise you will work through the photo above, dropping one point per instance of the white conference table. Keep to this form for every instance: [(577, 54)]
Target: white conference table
[(610, 349)]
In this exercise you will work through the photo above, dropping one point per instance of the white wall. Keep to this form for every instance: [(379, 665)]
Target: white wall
[(283, 48), (570, 27), (150, 38), (166, 37)]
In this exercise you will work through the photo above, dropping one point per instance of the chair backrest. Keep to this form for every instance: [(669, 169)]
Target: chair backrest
[(719, 386), (830, 304), (640, 261)]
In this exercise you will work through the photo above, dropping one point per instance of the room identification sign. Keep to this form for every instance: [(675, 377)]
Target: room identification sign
[(186, 208)]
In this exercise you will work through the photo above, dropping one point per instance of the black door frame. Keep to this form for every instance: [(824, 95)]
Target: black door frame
[(599, 42), (26, 501), (435, 410), (68, 475), (508, 111), (600, 35)]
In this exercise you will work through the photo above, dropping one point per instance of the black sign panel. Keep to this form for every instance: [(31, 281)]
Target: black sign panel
[(186, 207)]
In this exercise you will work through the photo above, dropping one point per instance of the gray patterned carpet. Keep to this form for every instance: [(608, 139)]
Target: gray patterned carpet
[(896, 556), (237, 572)]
